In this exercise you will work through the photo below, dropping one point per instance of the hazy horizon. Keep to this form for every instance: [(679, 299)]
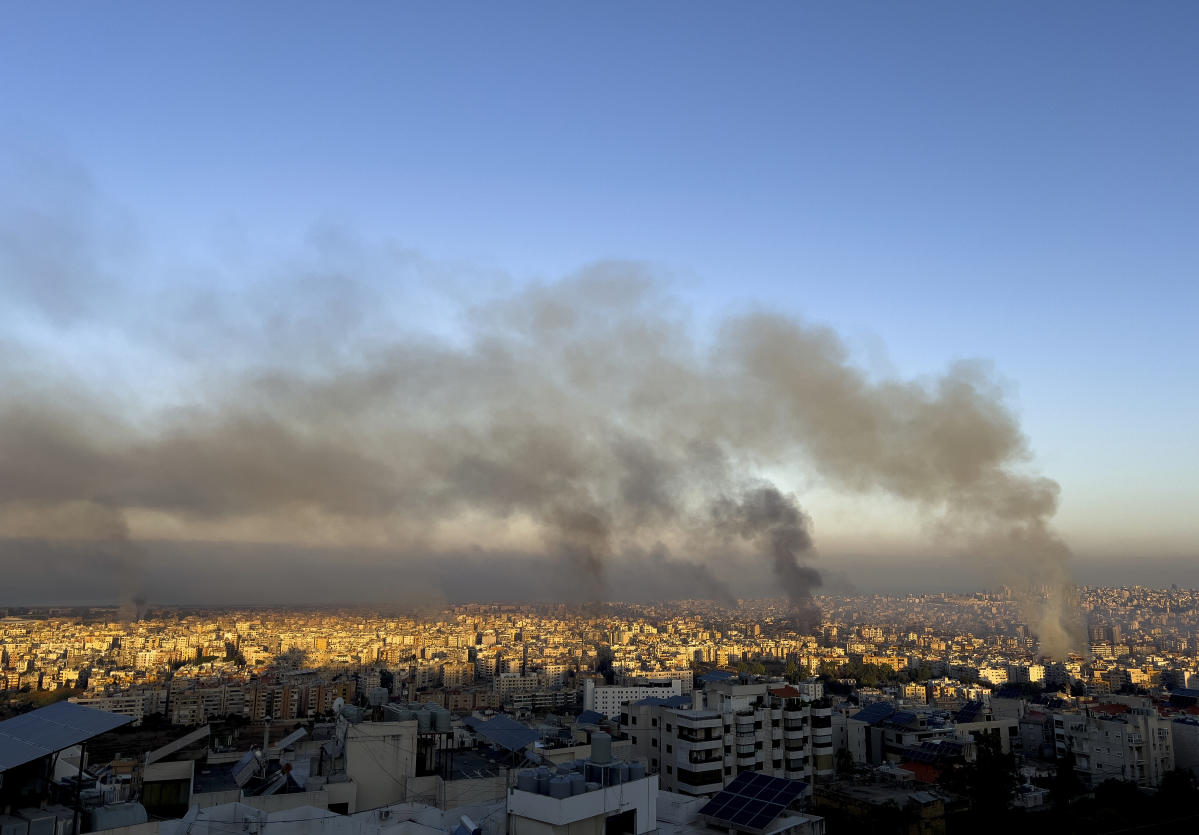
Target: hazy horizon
[(788, 300)]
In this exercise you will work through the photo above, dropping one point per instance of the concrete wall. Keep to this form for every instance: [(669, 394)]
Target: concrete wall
[(537, 814), (380, 759), (622, 749)]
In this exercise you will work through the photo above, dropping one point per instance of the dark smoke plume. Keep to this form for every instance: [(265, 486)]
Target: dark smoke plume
[(582, 419), (775, 523)]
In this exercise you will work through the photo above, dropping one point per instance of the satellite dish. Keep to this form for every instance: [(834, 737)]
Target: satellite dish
[(338, 704)]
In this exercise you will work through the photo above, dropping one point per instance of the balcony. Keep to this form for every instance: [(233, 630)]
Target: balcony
[(705, 777)]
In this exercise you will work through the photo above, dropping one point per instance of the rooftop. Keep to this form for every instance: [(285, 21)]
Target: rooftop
[(42, 732)]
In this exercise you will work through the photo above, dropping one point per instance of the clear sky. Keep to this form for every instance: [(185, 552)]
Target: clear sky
[(1011, 181)]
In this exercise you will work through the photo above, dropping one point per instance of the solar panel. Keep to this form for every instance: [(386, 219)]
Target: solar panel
[(874, 713), (41, 732), (969, 712), (752, 800), (507, 733), (739, 782), (292, 738)]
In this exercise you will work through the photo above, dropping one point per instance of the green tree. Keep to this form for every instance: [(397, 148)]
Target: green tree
[(844, 761), (1066, 785), (988, 783), (1177, 793)]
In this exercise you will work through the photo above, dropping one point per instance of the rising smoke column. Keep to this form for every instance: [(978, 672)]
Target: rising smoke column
[(776, 525), (583, 419), (950, 446)]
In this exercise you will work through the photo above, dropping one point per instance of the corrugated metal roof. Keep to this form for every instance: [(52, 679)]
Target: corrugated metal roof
[(42, 732)]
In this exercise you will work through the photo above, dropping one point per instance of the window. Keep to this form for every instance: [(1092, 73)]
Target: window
[(669, 748), (653, 722), (670, 769), (653, 763), (653, 741), (634, 740), (668, 726)]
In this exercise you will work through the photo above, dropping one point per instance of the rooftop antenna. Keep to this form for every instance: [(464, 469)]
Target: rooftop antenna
[(266, 742)]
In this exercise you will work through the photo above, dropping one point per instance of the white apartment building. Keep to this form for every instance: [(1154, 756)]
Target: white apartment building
[(126, 704), (660, 678), (743, 728), (1026, 673), (608, 698), (508, 685), (1136, 745)]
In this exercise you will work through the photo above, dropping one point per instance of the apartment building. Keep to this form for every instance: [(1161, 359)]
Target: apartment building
[(698, 750), (1121, 741), (608, 699)]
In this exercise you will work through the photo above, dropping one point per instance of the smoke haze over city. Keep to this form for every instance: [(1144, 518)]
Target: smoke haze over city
[(746, 313)]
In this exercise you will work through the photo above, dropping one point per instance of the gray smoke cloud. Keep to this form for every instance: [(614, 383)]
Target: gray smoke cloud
[(775, 522), (583, 419)]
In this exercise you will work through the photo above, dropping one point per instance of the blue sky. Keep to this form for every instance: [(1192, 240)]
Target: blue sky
[(1012, 181)]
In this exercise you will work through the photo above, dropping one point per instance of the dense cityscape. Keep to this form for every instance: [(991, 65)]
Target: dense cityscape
[(894, 706), (626, 418), (531, 657)]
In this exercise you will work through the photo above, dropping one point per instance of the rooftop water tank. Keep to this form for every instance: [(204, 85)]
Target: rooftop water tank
[(578, 783), (424, 721), (118, 814), (601, 748), (526, 781), (636, 770), (559, 787), (441, 720), (543, 781)]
